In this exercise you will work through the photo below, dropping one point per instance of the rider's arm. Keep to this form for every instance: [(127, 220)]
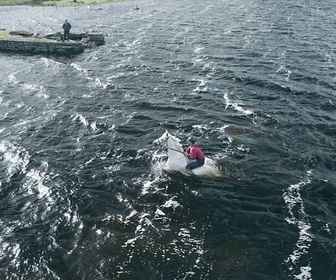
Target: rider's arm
[(187, 153), (193, 153)]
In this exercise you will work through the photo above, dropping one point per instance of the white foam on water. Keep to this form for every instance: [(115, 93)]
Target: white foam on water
[(37, 200), (299, 218), (154, 234), (200, 127), (81, 119), (4, 103), (198, 49), (201, 87), (93, 125), (132, 214), (159, 213), (305, 273), (52, 63), (327, 228), (148, 187), (35, 186), (14, 252), (242, 148), (236, 105), (99, 82), (32, 87), (14, 157), (35, 178), (171, 203), (79, 68), (153, 230), (222, 131), (12, 78), (284, 71), (6, 230)]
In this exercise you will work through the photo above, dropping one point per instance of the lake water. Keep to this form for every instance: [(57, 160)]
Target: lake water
[(82, 191)]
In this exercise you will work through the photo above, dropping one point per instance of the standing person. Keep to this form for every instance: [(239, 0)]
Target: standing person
[(66, 26), (194, 153)]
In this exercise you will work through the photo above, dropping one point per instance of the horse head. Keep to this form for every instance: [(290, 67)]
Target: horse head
[(162, 139), (176, 157)]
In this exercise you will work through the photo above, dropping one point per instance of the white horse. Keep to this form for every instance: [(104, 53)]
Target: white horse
[(177, 161)]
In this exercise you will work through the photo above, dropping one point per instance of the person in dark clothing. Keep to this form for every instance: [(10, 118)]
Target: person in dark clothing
[(66, 26), (195, 154)]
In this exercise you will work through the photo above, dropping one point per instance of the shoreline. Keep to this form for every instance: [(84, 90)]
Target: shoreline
[(60, 3)]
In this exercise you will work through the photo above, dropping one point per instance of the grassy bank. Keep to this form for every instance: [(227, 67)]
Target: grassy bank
[(4, 33), (59, 3)]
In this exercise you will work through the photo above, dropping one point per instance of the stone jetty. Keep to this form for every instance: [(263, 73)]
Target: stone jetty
[(22, 42)]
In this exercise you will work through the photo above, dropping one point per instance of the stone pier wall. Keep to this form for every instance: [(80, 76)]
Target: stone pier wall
[(51, 44), (22, 46)]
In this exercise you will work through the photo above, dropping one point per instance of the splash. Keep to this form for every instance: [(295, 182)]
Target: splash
[(237, 106), (298, 218)]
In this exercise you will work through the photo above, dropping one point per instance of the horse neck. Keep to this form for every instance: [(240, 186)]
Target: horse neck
[(175, 153), (174, 145)]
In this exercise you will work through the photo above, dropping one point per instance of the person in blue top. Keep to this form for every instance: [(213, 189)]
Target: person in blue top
[(66, 26)]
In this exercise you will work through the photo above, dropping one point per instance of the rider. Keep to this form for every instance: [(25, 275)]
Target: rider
[(194, 153)]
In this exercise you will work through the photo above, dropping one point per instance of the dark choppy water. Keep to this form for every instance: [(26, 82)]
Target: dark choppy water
[(82, 192)]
